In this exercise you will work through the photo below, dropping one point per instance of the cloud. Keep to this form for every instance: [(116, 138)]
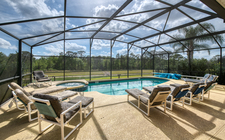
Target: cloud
[(98, 44), (33, 8), (4, 44), (103, 11), (54, 49), (74, 47), (122, 51)]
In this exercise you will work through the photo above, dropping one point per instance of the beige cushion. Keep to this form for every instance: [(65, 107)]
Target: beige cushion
[(15, 86), (23, 98)]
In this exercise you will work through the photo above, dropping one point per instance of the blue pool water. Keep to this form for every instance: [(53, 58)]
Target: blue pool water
[(118, 87)]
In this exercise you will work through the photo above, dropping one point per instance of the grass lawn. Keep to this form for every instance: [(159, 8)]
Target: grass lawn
[(96, 75)]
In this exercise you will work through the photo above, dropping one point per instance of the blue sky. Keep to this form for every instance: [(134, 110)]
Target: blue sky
[(14, 10)]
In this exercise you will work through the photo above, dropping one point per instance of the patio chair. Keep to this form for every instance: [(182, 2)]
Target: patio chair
[(209, 85), (177, 94), (28, 104), (195, 93), (199, 80), (212, 78), (63, 95), (39, 77), (52, 110), (156, 98)]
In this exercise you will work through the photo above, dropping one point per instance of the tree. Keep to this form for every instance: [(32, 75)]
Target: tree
[(194, 43)]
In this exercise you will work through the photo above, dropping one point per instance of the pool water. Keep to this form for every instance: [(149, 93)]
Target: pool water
[(118, 87)]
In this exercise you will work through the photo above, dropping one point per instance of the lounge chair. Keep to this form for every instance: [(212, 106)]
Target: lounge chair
[(212, 78), (13, 86), (28, 104), (52, 110), (195, 92), (177, 94), (202, 80), (39, 77), (20, 95), (156, 98), (86, 102), (209, 85)]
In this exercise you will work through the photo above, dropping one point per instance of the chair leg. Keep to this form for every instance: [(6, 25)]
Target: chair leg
[(39, 123), (208, 94), (29, 113), (62, 130), (165, 106)]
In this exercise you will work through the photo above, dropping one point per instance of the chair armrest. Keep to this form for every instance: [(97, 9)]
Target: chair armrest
[(199, 78), (140, 96), (183, 89), (40, 100), (202, 85), (77, 104)]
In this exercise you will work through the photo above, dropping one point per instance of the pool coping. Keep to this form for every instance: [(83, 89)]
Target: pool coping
[(107, 80)]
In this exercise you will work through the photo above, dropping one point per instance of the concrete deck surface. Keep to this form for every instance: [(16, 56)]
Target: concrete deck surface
[(115, 119)]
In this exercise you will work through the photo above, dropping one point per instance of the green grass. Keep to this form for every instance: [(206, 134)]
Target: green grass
[(96, 75), (81, 73)]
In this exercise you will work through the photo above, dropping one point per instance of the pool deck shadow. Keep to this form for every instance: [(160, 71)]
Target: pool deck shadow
[(115, 118)]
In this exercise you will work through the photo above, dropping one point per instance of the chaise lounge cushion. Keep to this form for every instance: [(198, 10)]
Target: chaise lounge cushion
[(49, 90), (136, 92), (20, 94), (15, 86), (58, 106), (156, 90), (85, 100)]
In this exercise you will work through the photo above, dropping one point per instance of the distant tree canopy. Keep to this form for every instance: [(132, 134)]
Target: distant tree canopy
[(75, 61)]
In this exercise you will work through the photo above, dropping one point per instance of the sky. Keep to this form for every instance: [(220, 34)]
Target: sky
[(14, 10)]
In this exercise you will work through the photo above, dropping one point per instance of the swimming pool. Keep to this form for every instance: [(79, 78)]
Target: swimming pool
[(118, 87)]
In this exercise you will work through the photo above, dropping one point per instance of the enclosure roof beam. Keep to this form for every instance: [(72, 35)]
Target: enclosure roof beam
[(13, 36), (65, 31), (29, 20), (152, 10), (214, 33), (175, 28), (155, 16), (203, 11), (114, 15)]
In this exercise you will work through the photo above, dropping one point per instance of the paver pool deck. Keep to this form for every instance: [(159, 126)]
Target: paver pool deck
[(115, 119)]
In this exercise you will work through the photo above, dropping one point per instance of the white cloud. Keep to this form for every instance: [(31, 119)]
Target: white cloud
[(53, 49), (33, 8), (122, 51), (98, 44), (103, 11), (4, 44), (74, 47)]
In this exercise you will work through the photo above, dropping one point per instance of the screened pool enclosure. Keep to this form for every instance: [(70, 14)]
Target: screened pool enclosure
[(110, 39)]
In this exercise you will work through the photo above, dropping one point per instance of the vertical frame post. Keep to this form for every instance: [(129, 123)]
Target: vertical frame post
[(64, 72), (90, 59), (189, 62), (141, 62), (128, 60), (153, 64), (20, 63), (168, 63), (31, 63), (111, 59), (221, 61)]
